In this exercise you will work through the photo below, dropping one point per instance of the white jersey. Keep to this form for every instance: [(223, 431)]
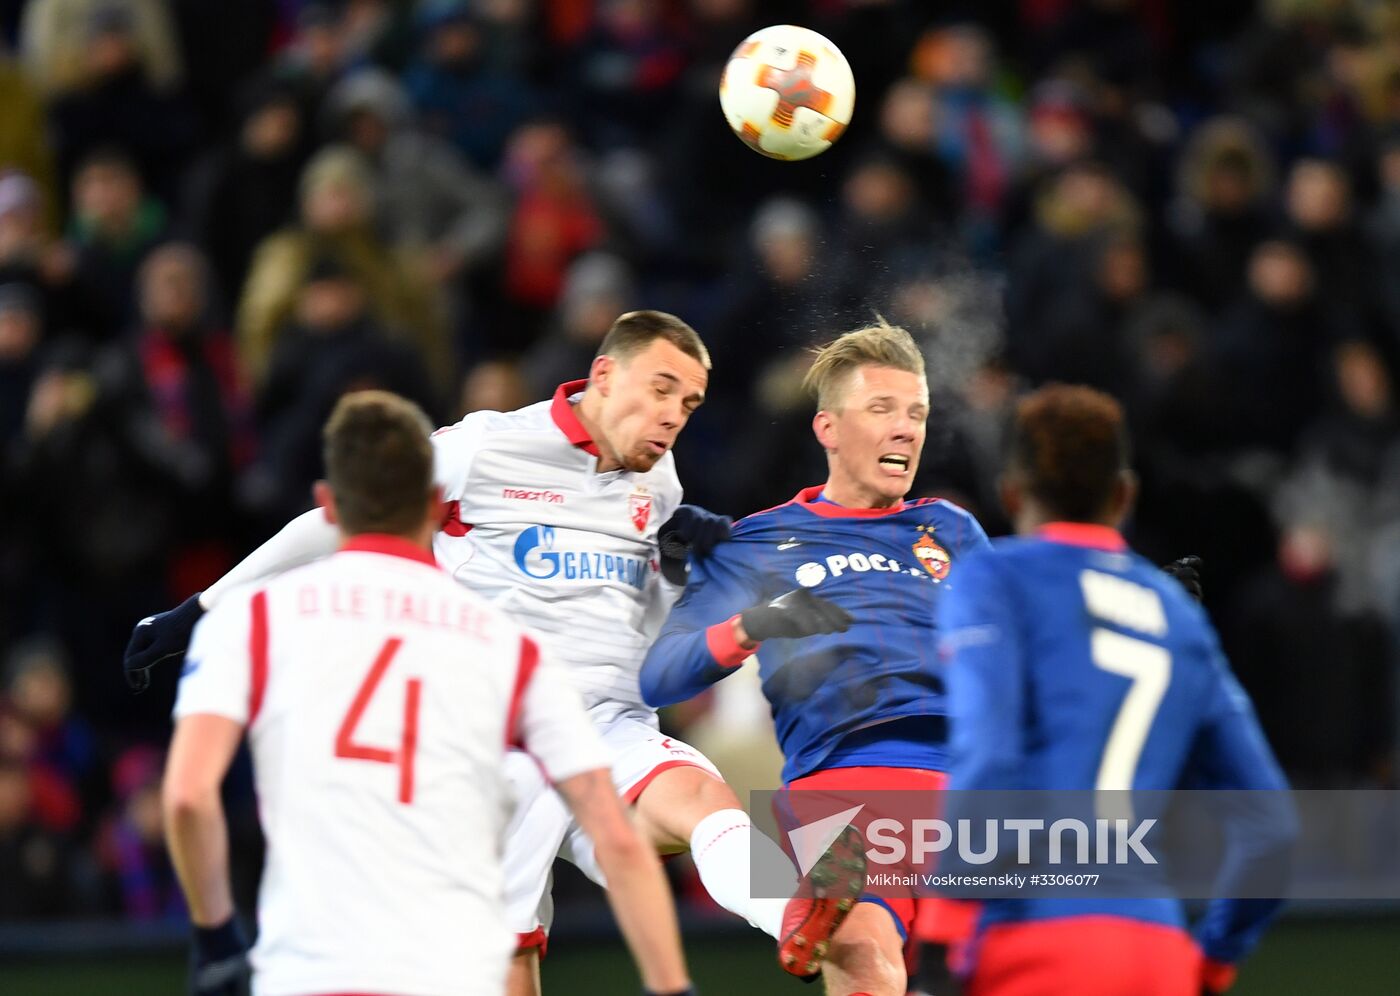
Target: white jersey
[(379, 697), (568, 551)]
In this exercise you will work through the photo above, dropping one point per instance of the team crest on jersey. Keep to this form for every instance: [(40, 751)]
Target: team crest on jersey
[(639, 507), (932, 557)]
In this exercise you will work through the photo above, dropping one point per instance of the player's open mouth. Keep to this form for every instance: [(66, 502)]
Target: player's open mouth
[(655, 448), (895, 461)]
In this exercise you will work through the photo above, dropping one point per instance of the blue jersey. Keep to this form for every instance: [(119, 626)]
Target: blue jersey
[(888, 568), (1075, 664)]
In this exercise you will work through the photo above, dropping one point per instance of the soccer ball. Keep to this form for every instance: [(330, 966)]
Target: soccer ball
[(787, 92)]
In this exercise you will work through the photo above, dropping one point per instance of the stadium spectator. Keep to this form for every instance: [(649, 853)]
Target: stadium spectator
[(62, 756), (556, 218), (337, 203), (316, 56), (977, 133), (117, 104), (197, 395), (597, 288), (1077, 212), (782, 298), (56, 38), (24, 139), (1221, 212), (459, 93), (493, 386), (132, 842), (21, 331), (35, 863), (1273, 343), (329, 346), (622, 74), (114, 224), (431, 205), (246, 189), (1332, 733), (30, 257)]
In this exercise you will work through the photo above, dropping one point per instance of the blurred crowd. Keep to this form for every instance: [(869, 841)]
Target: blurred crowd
[(216, 216)]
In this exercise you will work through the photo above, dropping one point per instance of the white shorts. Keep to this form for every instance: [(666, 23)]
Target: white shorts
[(543, 828)]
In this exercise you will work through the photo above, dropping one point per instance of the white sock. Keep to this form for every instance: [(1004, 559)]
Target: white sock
[(721, 846)]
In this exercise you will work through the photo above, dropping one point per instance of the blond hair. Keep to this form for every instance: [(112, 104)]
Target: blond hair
[(878, 345)]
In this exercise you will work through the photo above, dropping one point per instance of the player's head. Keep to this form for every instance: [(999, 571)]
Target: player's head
[(379, 467), (1068, 460), (872, 406), (648, 378)]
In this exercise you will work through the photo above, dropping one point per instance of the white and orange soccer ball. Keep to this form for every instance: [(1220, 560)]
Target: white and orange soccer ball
[(787, 92)]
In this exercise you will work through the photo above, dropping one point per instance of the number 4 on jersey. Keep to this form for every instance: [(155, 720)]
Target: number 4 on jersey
[(345, 743)]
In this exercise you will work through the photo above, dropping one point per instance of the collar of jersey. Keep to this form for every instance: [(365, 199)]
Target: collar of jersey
[(1083, 534), (811, 499), (562, 411), (390, 546)]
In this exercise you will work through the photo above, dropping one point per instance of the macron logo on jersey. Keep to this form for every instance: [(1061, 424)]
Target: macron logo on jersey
[(535, 556), (530, 494)]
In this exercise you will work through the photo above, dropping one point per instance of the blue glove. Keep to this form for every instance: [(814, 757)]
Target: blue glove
[(692, 530), (219, 960), (158, 638)]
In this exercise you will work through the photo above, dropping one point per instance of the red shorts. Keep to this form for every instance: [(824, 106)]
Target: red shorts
[(939, 920), (1087, 956)]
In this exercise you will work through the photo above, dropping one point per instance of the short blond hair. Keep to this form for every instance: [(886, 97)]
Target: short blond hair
[(878, 345)]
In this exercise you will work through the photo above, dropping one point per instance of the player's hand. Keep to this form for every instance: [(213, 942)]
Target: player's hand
[(795, 614), (219, 960), (1187, 571), (678, 992), (692, 530), (158, 638)]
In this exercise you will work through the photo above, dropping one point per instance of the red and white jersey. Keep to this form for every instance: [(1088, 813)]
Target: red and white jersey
[(379, 697), (568, 551)]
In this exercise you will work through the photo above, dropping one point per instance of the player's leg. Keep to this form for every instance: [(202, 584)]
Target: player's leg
[(867, 953), (532, 839), (680, 802), (687, 808)]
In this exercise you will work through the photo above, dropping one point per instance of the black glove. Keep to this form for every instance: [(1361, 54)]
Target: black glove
[(691, 529), (157, 638), (219, 960), (1187, 571), (797, 613), (678, 992)]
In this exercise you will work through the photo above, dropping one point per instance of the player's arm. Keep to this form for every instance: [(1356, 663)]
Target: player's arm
[(200, 753), (984, 662), (165, 636), (698, 645), (211, 711), (555, 730), (637, 889), (1231, 753), (308, 537)]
